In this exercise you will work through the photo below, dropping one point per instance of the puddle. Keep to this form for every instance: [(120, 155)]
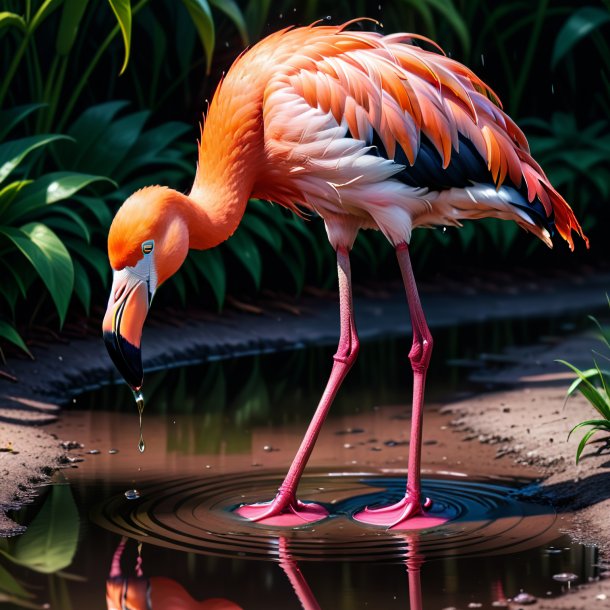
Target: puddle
[(129, 525)]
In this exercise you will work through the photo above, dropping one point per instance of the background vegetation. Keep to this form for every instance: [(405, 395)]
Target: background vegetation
[(100, 97)]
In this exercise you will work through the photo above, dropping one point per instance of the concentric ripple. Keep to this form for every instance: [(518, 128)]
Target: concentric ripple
[(196, 515)]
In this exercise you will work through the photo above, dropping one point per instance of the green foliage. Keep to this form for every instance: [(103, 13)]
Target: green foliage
[(50, 542), (594, 385), (32, 213)]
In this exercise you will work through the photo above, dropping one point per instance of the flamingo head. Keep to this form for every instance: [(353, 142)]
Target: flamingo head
[(147, 243)]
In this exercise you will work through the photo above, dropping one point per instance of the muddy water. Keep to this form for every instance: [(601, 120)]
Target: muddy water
[(221, 434)]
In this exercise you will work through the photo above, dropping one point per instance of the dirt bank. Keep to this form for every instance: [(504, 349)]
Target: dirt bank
[(529, 424)]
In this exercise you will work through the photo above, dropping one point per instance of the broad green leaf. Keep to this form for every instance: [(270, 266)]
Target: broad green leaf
[(122, 11), (149, 145), (8, 194), (91, 255), (50, 259), (8, 20), (82, 286), (71, 16), (47, 190), (201, 15), (50, 542), (114, 146), (10, 334), (14, 151), (211, 266), (244, 248), (579, 25), (256, 14), (86, 130), (65, 219), (9, 585), (13, 116), (98, 207), (265, 231), (233, 12)]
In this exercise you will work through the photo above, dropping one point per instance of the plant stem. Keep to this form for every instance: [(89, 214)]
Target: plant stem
[(32, 25), (524, 72), (87, 73)]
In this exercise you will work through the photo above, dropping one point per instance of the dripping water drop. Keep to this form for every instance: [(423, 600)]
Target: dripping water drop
[(140, 404), (132, 494)]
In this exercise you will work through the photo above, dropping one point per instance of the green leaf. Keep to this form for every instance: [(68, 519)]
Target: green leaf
[(149, 145), (453, 17), (233, 12), (14, 151), (13, 116), (257, 13), (211, 266), (10, 334), (583, 442), (50, 259), (8, 19), (79, 225), (86, 130), (580, 24), (68, 26), (114, 145), (122, 11), (9, 585), (590, 392), (48, 190), (247, 253), (264, 231), (50, 542), (82, 286), (94, 257), (98, 207), (201, 15)]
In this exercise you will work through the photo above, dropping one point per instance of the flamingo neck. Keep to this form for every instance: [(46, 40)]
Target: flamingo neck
[(230, 158)]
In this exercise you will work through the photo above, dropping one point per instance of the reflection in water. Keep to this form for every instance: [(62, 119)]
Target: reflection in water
[(414, 562), (141, 593)]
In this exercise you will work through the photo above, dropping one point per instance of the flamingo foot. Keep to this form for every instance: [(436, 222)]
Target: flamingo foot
[(283, 511), (408, 514)]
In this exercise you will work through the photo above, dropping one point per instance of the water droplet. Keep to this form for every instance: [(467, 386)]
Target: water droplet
[(565, 577), (552, 551), (132, 494), (524, 598), (140, 405)]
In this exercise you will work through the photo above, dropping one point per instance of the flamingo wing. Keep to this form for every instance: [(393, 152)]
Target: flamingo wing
[(357, 109)]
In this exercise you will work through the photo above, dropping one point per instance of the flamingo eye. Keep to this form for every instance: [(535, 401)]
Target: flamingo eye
[(148, 246)]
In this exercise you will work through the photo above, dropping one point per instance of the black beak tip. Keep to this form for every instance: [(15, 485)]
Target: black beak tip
[(126, 357)]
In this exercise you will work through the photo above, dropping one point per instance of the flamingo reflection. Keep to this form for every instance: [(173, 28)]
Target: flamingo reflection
[(141, 593)]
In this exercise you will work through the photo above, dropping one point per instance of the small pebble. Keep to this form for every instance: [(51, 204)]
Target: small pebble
[(524, 598), (347, 446), (267, 448), (93, 451), (475, 605), (499, 603), (73, 460), (601, 597), (113, 451), (132, 494)]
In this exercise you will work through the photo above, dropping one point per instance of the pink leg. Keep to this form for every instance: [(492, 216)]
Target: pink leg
[(296, 578), (285, 509), (115, 566), (409, 512)]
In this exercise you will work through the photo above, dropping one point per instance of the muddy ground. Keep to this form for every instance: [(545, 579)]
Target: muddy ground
[(522, 413)]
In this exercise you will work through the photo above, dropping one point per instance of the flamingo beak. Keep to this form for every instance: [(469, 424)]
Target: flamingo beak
[(122, 326)]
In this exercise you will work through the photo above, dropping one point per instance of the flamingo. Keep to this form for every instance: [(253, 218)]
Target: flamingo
[(369, 132)]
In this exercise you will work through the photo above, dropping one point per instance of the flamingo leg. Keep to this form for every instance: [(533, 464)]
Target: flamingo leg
[(285, 509), (409, 512)]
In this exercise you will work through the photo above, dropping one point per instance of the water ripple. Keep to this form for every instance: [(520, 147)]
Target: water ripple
[(194, 515)]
